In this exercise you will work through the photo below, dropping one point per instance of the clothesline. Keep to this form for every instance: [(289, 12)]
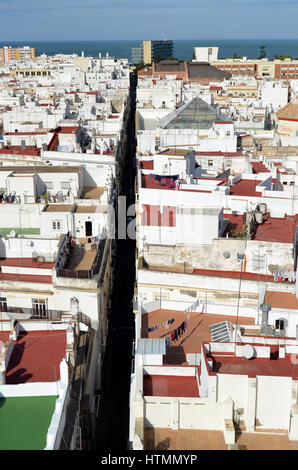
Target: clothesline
[(285, 275), (161, 325), (182, 327)]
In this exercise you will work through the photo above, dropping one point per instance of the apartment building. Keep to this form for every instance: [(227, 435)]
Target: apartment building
[(9, 54), (151, 50), (286, 69)]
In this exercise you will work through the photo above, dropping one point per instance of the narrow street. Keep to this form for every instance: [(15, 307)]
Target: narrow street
[(113, 413)]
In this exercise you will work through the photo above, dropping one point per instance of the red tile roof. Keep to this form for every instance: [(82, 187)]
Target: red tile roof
[(36, 357)]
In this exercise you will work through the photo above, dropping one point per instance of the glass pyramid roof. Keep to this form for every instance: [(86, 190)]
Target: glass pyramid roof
[(195, 114)]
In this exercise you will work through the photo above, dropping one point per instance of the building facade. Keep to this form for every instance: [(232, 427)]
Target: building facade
[(7, 54)]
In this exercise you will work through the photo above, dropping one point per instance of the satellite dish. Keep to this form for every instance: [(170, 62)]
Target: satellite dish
[(226, 254), (248, 351), (12, 233)]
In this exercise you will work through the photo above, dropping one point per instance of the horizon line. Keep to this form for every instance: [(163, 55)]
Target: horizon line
[(117, 40)]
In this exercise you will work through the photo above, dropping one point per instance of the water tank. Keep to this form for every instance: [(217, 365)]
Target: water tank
[(263, 208), (248, 351)]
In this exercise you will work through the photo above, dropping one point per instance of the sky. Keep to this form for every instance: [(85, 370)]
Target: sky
[(57, 20)]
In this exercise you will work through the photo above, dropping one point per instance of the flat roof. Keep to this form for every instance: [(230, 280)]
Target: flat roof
[(175, 151), (245, 188), (86, 209), (16, 277), (278, 230), (170, 386), (36, 357), (198, 330), (24, 422), (281, 299), (41, 169), (90, 192), (59, 208), (183, 439), (26, 263), (223, 364), (259, 167)]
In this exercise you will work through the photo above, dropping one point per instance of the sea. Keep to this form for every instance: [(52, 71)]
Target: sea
[(183, 49)]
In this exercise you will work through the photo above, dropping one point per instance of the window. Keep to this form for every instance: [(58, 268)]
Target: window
[(3, 304), (210, 162), (65, 185), (49, 184), (56, 224), (39, 307), (279, 324)]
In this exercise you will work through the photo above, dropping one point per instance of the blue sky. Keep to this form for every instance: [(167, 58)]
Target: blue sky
[(32, 20)]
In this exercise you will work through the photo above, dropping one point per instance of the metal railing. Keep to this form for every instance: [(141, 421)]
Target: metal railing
[(35, 314)]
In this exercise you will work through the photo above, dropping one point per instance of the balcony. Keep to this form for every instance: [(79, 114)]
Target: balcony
[(25, 313)]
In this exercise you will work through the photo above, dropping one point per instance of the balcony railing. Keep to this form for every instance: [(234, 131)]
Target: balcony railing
[(35, 313)]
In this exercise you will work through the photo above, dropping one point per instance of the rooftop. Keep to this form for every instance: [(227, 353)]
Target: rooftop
[(282, 300), (279, 230), (59, 208), (24, 422), (259, 167), (86, 209), (197, 331), (26, 263), (245, 188), (41, 169), (289, 111), (189, 439), (36, 357), (205, 70), (170, 386), (90, 192), (232, 364)]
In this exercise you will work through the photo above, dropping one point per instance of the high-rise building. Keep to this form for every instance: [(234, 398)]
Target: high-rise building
[(8, 53), (150, 51)]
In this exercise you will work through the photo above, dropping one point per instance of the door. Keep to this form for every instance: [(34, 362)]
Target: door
[(88, 229), (39, 308)]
